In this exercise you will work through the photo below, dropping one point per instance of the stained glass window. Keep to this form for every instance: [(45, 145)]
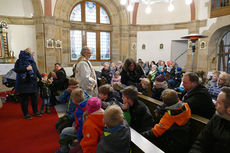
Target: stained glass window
[(90, 12), (104, 18), (76, 43), (97, 40), (91, 43), (76, 13), (105, 45)]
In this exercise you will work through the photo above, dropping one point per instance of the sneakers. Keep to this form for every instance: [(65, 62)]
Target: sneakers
[(28, 117), (37, 114)]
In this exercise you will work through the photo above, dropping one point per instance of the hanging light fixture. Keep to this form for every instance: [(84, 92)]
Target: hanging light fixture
[(130, 4)]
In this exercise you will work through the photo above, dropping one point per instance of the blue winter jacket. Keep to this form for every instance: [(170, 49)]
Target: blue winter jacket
[(65, 98)]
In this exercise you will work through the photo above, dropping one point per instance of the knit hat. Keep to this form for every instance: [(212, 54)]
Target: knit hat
[(178, 69), (44, 74), (93, 104), (160, 78)]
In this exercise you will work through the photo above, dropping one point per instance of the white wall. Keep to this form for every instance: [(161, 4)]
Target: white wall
[(161, 15), (21, 37), (202, 11), (153, 39), (23, 8)]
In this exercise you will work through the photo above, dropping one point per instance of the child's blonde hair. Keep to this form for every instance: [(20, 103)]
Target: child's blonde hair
[(105, 89), (146, 81), (169, 97), (117, 86), (113, 116), (78, 94), (73, 81), (117, 73)]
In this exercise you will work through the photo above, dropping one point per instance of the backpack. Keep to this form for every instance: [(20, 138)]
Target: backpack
[(9, 79)]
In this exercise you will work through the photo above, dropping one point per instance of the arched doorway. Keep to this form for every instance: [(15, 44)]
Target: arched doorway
[(224, 53)]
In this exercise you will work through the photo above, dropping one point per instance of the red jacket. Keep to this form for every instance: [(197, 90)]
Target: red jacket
[(92, 131)]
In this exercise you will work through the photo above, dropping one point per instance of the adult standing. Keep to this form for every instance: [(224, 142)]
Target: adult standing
[(197, 96), (131, 73), (26, 81), (85, 73)]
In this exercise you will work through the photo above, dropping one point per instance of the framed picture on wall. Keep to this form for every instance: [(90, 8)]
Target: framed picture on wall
[(1, 46), (49, 43), (202, 45), (58, 44)]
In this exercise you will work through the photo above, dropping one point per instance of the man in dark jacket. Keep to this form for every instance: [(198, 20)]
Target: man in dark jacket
[(26, 81), (197, 96), (215, 137), (141, 118)]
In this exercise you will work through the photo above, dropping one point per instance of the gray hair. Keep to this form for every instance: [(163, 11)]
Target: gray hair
[(84, 49)]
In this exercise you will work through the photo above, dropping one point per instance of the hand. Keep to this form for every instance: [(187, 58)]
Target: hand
[(29, 68)]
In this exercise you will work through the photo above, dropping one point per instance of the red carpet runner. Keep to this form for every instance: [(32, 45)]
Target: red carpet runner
[(18, 135)]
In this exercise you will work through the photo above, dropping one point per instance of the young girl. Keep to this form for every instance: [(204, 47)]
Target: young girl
[(92, 128), (116, 77), (45, 92)]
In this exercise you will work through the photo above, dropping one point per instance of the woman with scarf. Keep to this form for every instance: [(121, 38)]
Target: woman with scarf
[(26, 82)]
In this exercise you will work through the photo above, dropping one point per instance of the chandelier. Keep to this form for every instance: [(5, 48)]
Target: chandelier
[(130, 4)]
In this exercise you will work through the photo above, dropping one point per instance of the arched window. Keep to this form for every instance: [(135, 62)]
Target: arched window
[(88, 23), (224, 54)]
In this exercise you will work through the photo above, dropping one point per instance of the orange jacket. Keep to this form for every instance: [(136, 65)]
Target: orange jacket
[(168, 120), (92, 131)]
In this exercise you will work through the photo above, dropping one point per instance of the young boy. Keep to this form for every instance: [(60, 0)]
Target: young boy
[(68, 119), (116, 137), (45, 92), (171, 134), (69, 134), (141, 118), (108, 96)]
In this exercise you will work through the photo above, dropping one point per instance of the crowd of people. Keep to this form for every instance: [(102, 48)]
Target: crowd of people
[(101, 108)]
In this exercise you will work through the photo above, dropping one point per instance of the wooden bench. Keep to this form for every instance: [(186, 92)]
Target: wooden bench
[(141, 145), (197, 122)]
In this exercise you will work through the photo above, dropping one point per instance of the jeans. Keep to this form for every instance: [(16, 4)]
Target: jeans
[(66, 137), (25, 101), (46, 101)]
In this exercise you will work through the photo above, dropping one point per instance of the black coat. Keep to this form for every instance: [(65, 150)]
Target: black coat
[(200, 101), (214, 138), (132, 77), (60, 82), (141, 118), (107, 74), (28, 85)]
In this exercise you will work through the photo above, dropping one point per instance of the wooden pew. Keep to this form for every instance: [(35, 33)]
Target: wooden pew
[(141, 145), (197, 122)]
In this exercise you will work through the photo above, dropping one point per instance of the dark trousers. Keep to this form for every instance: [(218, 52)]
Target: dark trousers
[(25, 101)]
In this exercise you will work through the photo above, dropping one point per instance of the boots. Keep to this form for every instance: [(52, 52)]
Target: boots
[(47, 109), (42, 109)]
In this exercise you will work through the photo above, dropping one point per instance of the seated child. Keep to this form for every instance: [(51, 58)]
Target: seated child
[(45, 92), (153, 72), (116, 77), (92, 127), (108, 96), (69, 134), (141, 118), (171, 134), (117, 86), (116, 137), (145, 83), (106, 72), (213, 81), (159, 86), (68, 119)]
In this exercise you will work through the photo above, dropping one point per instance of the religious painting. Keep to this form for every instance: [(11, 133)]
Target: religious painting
[(143, 46), (202, 45), (58, 44), (49, 43), (161, 46)]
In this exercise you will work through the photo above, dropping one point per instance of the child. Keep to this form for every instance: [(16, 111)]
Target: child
[(68, 119), (68, 134), (116, 77), (160, 85), (213, 81), (153, 72), (92, 127), (108, 96), (106, 72), (141, 118), (116, 137), (45, 92), (117, 86), (145, 83), (171, 134)]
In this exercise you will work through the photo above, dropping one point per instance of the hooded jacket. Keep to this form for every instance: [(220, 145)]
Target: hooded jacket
[(26, 81), (115, 140), (92, 131)]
